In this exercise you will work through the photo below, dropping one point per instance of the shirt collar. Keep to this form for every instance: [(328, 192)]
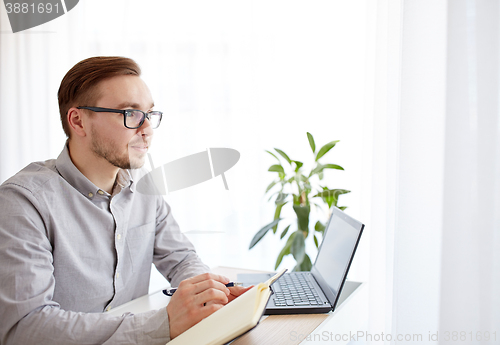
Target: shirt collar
[(123, 179), (74, 177)]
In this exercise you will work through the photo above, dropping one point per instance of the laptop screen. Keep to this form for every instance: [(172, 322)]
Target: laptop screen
[(336, 253)]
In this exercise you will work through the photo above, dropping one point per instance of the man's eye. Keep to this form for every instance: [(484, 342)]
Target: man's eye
[(134, 114)]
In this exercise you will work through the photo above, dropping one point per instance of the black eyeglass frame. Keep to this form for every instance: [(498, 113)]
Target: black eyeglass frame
[(124, 112)]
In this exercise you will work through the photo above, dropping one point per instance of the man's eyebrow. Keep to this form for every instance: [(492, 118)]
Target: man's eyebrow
[(131, 105)]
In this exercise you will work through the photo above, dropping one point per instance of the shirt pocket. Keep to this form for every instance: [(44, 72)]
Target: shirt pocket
[(140, 246)]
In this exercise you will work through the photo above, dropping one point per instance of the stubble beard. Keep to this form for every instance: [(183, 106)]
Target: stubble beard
[(108, 150)]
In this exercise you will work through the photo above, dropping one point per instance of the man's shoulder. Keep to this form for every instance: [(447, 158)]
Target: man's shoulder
[(34, 176)]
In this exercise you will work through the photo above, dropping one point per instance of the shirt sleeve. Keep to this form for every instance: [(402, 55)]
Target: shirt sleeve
[(174, 255), (27, 312)]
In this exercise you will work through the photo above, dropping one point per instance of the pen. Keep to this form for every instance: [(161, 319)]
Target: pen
[(170, 292)]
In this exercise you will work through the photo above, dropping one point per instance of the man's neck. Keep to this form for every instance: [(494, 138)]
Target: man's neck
[(98, 170)]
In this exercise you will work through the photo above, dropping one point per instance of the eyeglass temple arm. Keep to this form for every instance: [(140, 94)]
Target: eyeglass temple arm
[(103, 110)]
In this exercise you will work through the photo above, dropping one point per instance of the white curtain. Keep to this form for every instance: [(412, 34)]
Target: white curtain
[(471, 215), (434, 262)]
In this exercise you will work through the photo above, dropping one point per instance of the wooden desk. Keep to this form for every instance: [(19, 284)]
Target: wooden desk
[(349, 317)]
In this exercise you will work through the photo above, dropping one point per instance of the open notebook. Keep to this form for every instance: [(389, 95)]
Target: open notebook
[(232, 320)]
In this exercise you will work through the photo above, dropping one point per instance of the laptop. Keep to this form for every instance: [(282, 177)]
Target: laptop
[(317, 291)]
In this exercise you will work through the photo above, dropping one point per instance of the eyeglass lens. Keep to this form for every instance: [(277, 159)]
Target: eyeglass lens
[(134, 118)]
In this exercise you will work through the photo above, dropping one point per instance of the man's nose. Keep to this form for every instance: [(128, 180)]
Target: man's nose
[(146, 128)]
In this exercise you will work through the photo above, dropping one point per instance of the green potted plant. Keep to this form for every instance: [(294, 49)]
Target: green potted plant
[(295, 187)]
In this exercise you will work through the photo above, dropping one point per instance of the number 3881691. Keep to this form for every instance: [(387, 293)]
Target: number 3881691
[(25, 8)]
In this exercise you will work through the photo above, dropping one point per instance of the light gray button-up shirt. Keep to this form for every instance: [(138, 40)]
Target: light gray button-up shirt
[(69, 251)]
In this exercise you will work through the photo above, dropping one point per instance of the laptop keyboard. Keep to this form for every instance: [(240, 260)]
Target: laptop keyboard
[(295, 290)]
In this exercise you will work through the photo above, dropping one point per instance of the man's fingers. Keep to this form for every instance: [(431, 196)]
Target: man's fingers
[(209, 309), (210, 284), (195, 299), (211, 295), (211, 302)]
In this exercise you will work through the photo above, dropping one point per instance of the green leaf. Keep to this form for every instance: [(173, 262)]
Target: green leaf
[(283, 234), (276, 168), (302, 216), (328, 198), (277, 213), (343, 207), (316, 241), (281, 198), (305, 265), (316, 169), (319, 227), (332, 166), (262, 232), (271, 185), (298, 248), (285, 250), (331, 196), (332, 192), (298, 165), (272, 154), (320, 167), (284, 155), (311, 142), (326, 148), (330, 201)]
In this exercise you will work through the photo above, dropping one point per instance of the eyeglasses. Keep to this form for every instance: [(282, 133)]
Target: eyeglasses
[(132, 118)]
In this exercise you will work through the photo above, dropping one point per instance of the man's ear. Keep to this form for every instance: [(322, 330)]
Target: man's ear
[(76, 121)]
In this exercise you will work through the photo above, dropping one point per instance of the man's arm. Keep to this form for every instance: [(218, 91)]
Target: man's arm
[(174, 255), (27, 312)]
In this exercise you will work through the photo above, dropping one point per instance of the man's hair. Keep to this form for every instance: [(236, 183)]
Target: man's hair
[(79, 85)]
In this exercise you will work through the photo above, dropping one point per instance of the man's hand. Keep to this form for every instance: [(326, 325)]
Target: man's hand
[(195, 299)]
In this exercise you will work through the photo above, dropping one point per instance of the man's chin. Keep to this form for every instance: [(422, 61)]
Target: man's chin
[(137, 162)]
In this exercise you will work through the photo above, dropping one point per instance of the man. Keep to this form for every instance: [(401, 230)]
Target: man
[(77, 239)]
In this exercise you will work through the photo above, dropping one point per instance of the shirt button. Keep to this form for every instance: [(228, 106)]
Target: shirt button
[(119, 236), (117, 275), (91, 195), (100, 192), (108, 308)]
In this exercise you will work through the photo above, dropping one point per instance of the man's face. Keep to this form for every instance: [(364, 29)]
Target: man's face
[(110, 139)]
